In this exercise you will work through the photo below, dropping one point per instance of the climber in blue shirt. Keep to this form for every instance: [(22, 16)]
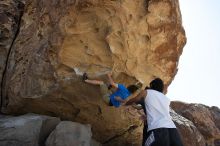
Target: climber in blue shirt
[(113, 94)]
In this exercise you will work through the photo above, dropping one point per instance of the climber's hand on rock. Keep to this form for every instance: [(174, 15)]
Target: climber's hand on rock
[(124, 103), (143, 117), (127, 109), (130, 111), (109, 74)]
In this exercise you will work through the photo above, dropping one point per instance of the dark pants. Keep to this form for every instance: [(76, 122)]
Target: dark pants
[(163, 137), (144, 134)]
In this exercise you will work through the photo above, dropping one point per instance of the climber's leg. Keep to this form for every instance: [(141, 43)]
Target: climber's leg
[(105, 94), (93, 82), (103, 87)]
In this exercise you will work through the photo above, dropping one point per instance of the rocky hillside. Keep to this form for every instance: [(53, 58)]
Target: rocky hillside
[(205, 119), (45, 46)]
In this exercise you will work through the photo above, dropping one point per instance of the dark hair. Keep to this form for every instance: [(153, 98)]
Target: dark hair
[(146, 88), (132, 88), (157, 84)]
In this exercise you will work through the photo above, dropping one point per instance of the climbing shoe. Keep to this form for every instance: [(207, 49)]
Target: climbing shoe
[(84, 77)]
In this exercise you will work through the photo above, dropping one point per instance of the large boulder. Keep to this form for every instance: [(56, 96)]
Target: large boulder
[(59, 40), (206, 119), (70, 134), (26, 130), (189, 133)]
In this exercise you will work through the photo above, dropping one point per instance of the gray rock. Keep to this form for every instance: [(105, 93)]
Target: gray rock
[(10, 15), (95, 143), (26, 130), (70, 134)]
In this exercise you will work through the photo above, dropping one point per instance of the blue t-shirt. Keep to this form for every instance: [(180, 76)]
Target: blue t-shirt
[(122, 92)]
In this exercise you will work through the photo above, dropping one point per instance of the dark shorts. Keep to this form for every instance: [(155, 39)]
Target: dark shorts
[(163, 137), (110, 103)]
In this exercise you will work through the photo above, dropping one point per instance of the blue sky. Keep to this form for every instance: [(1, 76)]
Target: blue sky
[(198, 78)]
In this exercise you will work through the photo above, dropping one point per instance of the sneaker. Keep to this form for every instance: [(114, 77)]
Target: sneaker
[(84, 77)]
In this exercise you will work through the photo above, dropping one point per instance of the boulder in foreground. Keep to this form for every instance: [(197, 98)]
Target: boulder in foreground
[(26, 130), (69, 133)]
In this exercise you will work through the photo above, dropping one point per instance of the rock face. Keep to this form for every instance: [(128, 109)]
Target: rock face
[(59, 40), (189, 133), (215, 111), (26, 130), (70, 134), (95, 143), (206, 119), (10, 15)]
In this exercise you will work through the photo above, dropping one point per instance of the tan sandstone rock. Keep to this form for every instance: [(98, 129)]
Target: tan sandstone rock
[(59, 40)]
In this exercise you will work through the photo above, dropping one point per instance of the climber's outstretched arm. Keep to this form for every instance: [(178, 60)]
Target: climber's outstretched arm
[(137, 98), (119, 99)]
